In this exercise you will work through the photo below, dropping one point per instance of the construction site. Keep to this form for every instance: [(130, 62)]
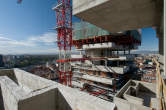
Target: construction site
[(100, 76), (105, 60)]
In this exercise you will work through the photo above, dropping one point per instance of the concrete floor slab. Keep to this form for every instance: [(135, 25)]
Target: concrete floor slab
[(118, 15)]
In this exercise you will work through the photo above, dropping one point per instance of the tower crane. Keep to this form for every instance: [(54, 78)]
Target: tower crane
[(64, 39)]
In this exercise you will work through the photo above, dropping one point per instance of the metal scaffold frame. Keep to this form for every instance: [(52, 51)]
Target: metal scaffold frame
[(119, 40), (64, 39)]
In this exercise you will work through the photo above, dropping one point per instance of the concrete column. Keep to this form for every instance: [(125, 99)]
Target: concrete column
[(161, 52), (162, 45), (160, 33)]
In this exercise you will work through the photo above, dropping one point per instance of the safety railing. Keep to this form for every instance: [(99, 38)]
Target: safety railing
[(161, 86)]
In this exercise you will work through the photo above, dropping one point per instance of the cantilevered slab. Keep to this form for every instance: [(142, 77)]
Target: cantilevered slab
[(118, 70), (109, 45), (118, 15), (109, 81)]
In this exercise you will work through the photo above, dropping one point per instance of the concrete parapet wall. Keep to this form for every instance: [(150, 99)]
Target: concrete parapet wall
[(124, 105), (30, 92), (132, 99), (9, 73), (83, 101), (30, 81), (11, 93), (150, 86), (126, 99), (42, 101)]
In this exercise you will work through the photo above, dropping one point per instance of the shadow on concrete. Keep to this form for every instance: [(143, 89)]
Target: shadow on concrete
[(62, 103), (1, 101), (10, 73)]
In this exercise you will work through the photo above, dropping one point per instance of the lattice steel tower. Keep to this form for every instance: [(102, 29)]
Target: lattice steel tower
[(64, 39)]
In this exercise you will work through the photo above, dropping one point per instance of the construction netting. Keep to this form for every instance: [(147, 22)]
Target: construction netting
[(84, 30)]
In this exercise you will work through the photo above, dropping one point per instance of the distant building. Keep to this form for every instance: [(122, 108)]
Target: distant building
[(1, 61)]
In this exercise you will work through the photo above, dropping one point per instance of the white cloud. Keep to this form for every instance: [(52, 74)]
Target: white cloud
[(47, 38), (4, 41), (33, 44), (39, 44), (36, 51)]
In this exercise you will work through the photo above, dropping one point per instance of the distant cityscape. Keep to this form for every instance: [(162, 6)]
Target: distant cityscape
[(23, 61), (46, 65)]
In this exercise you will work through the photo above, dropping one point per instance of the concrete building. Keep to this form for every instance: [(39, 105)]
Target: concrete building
[(20, 90), (1, 61), (93, 76)]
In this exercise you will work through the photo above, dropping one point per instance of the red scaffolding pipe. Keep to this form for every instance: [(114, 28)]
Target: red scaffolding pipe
[(64, 39), (78, 59), (120, 40), (96, 93)]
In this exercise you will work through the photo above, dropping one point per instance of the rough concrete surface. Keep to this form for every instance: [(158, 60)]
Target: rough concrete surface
[(133, 96), (21, 90), (119, 15)]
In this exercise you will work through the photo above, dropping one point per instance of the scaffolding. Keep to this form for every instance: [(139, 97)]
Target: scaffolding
[(64, 40), (85, 30), (124, 40)]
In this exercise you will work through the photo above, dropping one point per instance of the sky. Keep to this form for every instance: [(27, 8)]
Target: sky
[(27, 28)]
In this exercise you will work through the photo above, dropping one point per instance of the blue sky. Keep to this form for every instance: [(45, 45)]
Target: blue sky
[(149, 40), (28, 28)]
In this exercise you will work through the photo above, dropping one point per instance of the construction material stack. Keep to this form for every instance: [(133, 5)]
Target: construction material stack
[(108, 62)]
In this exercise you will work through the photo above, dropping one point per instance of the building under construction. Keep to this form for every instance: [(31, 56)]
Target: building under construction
[(105, 61), (103, 65)]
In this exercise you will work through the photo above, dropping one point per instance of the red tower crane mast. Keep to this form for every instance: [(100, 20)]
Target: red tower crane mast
[(64, 39)]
